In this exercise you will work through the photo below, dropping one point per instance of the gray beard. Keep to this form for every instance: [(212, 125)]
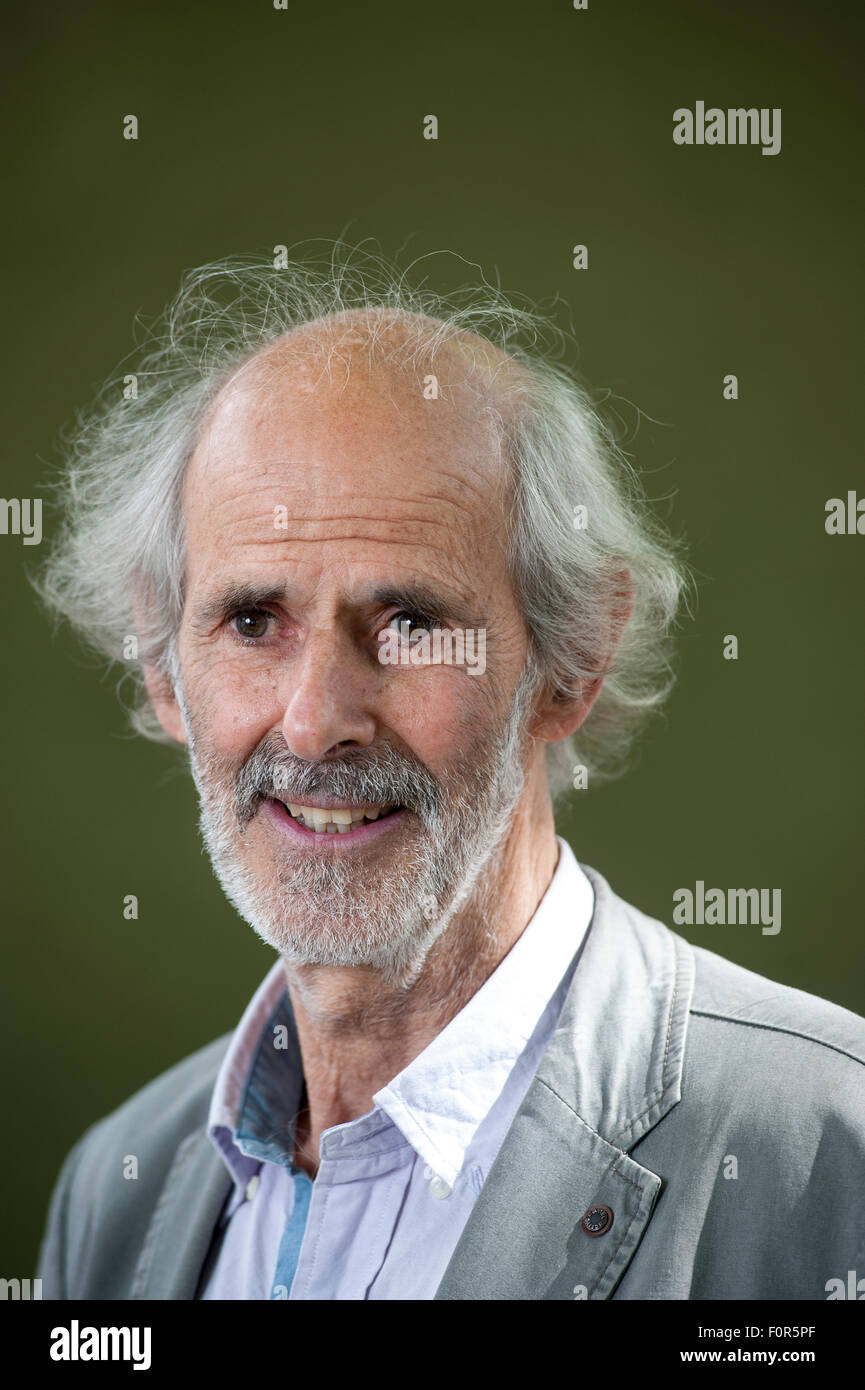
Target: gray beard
[(388, 915)]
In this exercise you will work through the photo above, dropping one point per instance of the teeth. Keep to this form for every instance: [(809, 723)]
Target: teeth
[(335, 820)]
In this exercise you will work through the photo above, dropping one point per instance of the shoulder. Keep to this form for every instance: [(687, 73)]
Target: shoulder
[(777, 1064), (772, 1117), (778, 1075), (762, 1157), (751, 1045), (807, 1037)]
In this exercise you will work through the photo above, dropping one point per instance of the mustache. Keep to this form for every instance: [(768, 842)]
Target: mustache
[(372, 776)]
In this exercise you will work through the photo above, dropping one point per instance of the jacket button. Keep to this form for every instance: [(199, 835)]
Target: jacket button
[(597, 1221)]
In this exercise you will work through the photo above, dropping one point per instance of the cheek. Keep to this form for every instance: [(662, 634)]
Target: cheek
[(438, 713), (237, 705)]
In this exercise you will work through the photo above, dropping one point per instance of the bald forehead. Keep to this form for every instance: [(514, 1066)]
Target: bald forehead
[(404, 353), (394, 376), (366, 469)]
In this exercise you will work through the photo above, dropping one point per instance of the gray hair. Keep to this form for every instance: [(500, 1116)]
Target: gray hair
[(121, 539)]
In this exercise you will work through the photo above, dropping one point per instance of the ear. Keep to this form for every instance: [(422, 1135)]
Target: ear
[(159, 686), (558, 715), (165, 704)]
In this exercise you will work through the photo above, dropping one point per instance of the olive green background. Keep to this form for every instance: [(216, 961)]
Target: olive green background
[(260, 127)]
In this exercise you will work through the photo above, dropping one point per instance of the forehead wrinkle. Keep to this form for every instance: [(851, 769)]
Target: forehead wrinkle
[(428, 478), (436, 565), (256, 542), (416, 516), (312, 486), (467, 504), (296, 464), (379, 553)]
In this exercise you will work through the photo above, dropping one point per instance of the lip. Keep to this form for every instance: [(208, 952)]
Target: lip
[(317, 842)]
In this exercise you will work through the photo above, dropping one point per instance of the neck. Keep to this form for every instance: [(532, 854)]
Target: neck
[(357, 1033)]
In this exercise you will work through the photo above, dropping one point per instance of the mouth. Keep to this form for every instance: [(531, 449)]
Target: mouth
[(333, 825), (336, 820)]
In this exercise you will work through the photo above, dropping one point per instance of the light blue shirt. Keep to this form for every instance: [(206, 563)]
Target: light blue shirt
[(395, 1187)]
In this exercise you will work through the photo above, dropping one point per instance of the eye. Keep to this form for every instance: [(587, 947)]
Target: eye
[(407, 620), (250, 624)]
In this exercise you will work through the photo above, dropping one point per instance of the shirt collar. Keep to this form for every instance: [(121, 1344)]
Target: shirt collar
[(259, 1047), (440, 1099)]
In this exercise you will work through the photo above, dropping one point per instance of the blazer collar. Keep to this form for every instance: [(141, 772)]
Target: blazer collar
[(612, 1070)]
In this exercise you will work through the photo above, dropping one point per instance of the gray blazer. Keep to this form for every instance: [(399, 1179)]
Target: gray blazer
[(717, 1116)]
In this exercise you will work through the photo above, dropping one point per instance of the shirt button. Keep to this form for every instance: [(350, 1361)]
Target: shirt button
[(252, 1187), (597, 1221), (439, 1188)]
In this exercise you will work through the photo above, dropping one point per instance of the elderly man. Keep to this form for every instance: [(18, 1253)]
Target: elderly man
[(473, 1072)]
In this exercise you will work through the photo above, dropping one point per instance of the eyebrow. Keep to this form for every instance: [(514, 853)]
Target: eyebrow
[(231, 598), (422, 598), (418, 597)]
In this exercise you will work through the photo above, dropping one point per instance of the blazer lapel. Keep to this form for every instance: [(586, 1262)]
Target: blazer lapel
[(611, 1072), (523, 1239), (183, 1222)]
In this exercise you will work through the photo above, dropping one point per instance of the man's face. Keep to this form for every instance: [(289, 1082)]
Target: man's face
[(322, 510)]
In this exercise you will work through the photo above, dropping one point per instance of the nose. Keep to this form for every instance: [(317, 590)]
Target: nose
[(326, 694)]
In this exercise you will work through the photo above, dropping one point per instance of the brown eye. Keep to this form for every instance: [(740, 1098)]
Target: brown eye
[(250, 624), (407, 623)]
